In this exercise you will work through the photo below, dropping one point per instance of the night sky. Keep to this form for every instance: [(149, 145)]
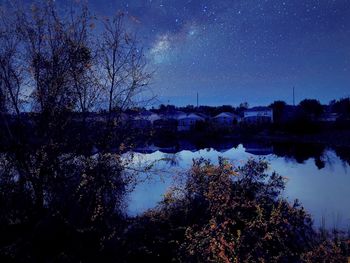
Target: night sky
[(242, 50)]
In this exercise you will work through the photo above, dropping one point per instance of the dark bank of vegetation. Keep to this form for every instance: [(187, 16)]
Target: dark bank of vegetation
[(308, 122), (63, 201)]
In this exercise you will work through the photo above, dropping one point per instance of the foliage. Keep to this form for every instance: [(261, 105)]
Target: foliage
[(229, 214), (278, 108), (342, 107), (311, 107)]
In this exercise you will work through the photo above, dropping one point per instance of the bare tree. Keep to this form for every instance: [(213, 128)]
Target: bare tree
[(66, 67), (82, 57), (11, 80), (43, 34), (122, 64)]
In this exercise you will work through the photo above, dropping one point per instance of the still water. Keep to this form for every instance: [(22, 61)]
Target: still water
[(318, 176)]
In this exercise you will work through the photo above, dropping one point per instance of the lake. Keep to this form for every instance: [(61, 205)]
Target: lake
[(317, 175)]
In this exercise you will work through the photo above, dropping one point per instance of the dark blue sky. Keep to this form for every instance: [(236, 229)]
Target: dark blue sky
[(242, 50)]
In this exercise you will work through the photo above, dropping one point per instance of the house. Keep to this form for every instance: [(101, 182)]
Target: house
[(187, 122), (100, 117), (175, 114), (144, 119), (203, 115), (258, 115), (167, 121), (149, 115), (226, 119), (329, 117)]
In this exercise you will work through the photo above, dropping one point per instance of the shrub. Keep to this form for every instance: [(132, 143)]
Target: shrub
[(231, 214)]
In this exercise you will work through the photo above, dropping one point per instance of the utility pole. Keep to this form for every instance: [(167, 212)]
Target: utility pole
[(197, 100), (293, 96)]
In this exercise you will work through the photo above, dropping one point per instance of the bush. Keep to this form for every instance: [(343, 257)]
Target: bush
[(230, 214)]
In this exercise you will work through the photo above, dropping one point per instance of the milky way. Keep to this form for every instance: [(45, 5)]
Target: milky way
[(242, 50)]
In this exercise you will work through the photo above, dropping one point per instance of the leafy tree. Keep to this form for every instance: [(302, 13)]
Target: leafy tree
[(242, 107), (342, 107), (311, 107), (278, 108)]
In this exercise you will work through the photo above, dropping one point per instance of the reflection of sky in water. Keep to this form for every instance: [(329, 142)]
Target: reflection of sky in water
[(324, 193)]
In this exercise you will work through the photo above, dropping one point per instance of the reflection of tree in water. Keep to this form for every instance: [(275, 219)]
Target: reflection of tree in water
[(343, 153), (320, 163), (301, 152), (172, 159)]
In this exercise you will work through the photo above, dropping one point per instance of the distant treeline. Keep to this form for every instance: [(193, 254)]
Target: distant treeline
[(308, 106), (309, 116)]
